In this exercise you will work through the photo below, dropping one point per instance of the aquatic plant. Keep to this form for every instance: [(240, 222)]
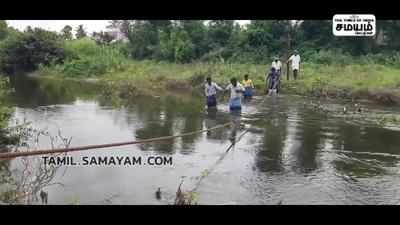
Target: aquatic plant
[(32, 176), (185, 198)]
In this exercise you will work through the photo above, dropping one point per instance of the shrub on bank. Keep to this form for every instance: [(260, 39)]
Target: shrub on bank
[(5, 113), (86, 58), (23, 52), (338, 57)]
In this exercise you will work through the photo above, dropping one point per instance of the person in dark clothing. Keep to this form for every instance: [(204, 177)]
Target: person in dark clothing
[(272, 81)]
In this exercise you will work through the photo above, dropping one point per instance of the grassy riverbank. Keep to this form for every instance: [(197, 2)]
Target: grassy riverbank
[(372, 81), (367, 81), (334, 68), (324, 74)]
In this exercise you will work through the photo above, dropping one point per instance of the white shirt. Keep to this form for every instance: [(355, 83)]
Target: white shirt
[(234, 94), (295, 61), (276, 65), (211, 89)]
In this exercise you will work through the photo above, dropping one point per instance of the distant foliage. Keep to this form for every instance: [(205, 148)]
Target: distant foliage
[(186, 41), (3, 29), (80, 32), (102, 38), (177, 46), (66, 32)]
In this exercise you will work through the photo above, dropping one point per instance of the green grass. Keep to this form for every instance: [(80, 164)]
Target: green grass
[(369, 77), (156, 75), (86, 60)]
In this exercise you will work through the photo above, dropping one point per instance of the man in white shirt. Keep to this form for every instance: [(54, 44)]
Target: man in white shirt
[(278, 68), (295, 59), (236, 89), (211, 92), (277, 65)]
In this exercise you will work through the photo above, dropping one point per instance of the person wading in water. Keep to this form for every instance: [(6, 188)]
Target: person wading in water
[(211, 92), (277, 65), (278, 68), (248, 87), (236, 92), (272, 80)]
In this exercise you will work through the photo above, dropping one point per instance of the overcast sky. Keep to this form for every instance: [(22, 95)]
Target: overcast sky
[(57, 25)]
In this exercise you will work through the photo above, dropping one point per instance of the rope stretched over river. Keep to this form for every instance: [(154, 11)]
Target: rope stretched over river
[(211, 169), (222, 157), (10, 155), (100, 146)]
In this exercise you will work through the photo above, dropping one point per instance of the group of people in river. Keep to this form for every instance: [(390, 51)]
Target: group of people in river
[(246, 88)]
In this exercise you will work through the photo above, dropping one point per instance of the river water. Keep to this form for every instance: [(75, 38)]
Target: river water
[(290, 152)]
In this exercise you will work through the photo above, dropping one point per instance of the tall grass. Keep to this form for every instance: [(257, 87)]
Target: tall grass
[(85, 58), (325, 69), (154, 73), (357, 77)]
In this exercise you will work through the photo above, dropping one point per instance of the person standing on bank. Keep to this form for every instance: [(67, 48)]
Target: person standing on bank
[(235, 102), (295, 59), (211, 92)]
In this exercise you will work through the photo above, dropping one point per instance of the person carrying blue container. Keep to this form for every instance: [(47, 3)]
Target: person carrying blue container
[(248, 87), (235, 102), (211, 92)]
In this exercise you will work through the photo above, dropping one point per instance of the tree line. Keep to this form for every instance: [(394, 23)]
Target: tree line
[(185, 41)]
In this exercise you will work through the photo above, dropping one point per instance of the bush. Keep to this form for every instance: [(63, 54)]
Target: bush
[(5, 111), (81, 47), (329, 57), (121, 47), (86, 58), (25, 51)]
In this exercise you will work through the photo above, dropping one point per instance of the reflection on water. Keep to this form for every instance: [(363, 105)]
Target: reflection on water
[(289, 152), (33, 93)]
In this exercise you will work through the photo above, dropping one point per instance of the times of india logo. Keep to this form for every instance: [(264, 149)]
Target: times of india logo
[(354, 25)]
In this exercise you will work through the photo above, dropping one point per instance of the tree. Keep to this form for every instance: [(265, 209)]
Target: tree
[(161, 25), (259, 40), (197, 32), (184, 48), (316, 34), (143, 39), (220, 32), (3, 29), (167, 48), (102, 38), (25, 51), (122, 25), (391, 33), (66, 32), (176, 45), (29, 29), (80, 32)]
